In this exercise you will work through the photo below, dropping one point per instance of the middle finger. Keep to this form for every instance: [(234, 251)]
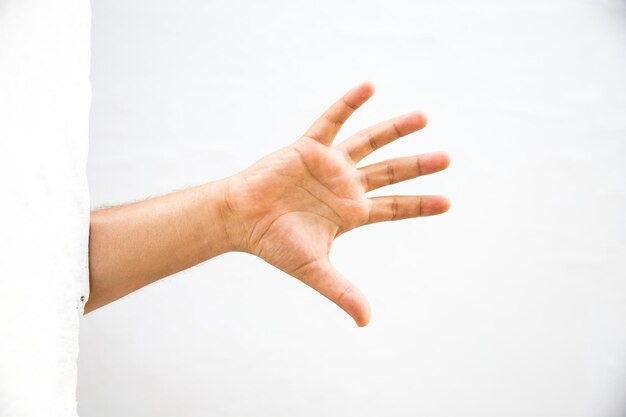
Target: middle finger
[(397, 170)]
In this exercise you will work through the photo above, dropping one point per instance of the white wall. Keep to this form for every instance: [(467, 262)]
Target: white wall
[(44, 202), (512, 304)]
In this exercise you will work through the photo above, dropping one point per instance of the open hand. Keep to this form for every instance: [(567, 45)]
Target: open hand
[(289, 207)]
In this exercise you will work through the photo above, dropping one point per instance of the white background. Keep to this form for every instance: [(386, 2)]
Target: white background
[(512, 304)]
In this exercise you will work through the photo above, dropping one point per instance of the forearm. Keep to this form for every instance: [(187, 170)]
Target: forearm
[(133, 245)]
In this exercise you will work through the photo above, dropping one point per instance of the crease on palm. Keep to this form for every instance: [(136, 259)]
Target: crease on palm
[(325, 196)]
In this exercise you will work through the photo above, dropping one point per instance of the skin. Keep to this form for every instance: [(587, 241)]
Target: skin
[(287, 209)]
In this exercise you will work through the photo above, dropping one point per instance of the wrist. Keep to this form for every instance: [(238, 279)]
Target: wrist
[(227, 215)]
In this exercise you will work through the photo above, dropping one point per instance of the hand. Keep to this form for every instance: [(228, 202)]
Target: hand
[(289, 207)]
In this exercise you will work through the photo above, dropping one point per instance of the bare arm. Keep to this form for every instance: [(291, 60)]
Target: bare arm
[(287, 208), (133, 245)]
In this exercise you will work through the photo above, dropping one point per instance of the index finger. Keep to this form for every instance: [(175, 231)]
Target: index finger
[(325, 128), (368, 140)]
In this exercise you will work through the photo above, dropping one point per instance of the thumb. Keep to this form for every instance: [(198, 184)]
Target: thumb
[(325, 279)]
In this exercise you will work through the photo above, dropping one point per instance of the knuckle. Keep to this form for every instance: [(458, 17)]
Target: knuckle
[(396, 129), (394, 208), (391, 173), (371, 140), (418, 166), (348, 104)]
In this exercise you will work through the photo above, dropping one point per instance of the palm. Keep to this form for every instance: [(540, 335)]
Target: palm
[(317, 196), (299, 199)]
